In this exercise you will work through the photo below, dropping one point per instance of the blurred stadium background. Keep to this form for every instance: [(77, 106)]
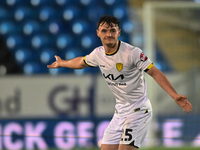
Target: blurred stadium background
[(61, 108)]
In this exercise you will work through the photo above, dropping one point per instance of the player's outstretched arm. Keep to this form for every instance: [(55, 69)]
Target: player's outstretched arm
[(162, 80), (76, 63)]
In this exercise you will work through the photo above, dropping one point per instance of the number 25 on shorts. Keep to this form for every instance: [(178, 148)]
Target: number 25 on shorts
[(127, 135)]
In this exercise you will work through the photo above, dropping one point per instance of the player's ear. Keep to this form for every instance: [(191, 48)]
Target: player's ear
[(119, 32), (97, 32)]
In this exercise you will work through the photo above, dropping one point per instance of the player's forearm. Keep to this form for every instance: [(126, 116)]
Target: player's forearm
[(161, 79), (76, 63)]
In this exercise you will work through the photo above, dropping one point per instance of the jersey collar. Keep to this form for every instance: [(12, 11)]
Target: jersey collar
[(109, 54)]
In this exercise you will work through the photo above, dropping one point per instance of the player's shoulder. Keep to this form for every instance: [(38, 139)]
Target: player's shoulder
[(128, 48), (97, 51)]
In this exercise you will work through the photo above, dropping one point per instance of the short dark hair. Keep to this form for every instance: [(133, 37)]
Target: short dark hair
[(109, 20)]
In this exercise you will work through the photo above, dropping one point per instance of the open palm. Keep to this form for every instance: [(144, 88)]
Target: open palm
[(182, 101), (55, 64)]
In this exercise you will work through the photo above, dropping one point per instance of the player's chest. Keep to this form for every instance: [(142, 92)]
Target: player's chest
[(114, 64)]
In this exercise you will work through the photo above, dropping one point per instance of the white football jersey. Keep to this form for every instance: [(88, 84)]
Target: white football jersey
[(123, 71)]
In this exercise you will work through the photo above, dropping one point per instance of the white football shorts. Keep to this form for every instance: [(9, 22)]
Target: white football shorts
[(129, 131)]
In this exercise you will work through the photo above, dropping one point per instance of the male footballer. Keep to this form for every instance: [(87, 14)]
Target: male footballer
[(123, 67)]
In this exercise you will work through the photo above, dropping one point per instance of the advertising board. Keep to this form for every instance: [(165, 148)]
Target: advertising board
[(172, 131), (45, 96)]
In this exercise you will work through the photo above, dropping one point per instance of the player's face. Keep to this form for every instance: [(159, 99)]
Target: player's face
[(108, 34)]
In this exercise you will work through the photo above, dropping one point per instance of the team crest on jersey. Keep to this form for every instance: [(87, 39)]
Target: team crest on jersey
[(119, 66), (143, 57)]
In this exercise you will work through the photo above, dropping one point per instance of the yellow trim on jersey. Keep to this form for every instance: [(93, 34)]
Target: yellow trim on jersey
[(115, 50), (150, 66), (84, 59), (112, 52)]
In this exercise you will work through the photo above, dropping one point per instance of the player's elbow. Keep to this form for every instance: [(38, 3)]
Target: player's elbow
[(81, 66)]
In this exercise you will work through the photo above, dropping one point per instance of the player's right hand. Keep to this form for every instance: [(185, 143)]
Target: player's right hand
[(182, 101), (55, 64)]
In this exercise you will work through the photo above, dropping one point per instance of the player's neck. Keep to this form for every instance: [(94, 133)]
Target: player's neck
[(111, 49)]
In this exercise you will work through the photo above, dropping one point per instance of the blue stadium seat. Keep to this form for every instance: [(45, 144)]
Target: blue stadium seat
[(93, 13), (71, 53), (31, 68), (71, 13), (54, 27), (61, 2), (114, 3), (65, 2), (88, 3), (88, 41), (36, 30), (22, 55), (128, 26), (120, 12), (23, 13), (46, 13), (14, 41), (85, 2), (40, 41), (40, 3), (47, 56), (7, 28), (31, 27), (15, 3), (63, 41), (109, 2), (80, 27)]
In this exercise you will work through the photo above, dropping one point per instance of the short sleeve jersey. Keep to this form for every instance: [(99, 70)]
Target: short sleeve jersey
[(123, 71)]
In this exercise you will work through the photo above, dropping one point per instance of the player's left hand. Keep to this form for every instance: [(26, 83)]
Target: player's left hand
[(182, 101)]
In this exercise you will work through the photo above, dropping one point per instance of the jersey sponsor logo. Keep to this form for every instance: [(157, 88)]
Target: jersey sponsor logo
[(143, 57), (119, 66), (112, 77), (102, 66), (117, 83)]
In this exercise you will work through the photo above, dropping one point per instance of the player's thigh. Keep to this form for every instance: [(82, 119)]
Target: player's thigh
[(112, 134), (135, 129), (127, 147), (109, 147)]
